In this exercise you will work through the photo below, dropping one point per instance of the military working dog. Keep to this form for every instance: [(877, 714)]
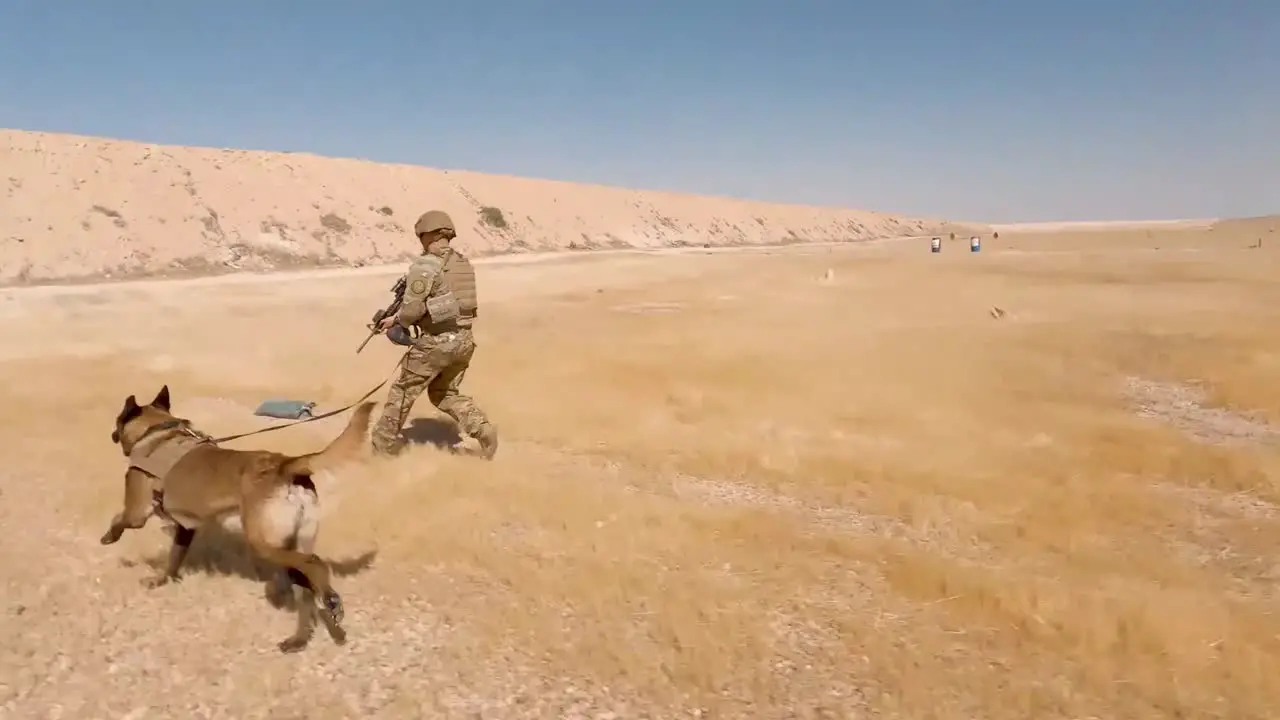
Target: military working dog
[(181, 475)]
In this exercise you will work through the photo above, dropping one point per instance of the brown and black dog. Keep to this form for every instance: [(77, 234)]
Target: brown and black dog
[(180, 474)]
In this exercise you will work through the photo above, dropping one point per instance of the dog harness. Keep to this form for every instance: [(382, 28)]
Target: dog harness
[(159, 450)]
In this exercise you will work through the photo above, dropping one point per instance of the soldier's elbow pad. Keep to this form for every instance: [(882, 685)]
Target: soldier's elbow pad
[(399, 335)]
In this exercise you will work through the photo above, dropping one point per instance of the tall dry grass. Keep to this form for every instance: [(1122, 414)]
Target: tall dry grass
[(758, 491)]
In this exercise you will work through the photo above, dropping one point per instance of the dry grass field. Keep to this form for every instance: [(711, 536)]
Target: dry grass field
[(812, 482)]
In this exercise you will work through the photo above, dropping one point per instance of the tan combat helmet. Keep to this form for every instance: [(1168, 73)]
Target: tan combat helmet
[(434, 220)]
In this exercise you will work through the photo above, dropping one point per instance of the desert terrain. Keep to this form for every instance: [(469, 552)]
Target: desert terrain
[(821, 480), (87, 208)]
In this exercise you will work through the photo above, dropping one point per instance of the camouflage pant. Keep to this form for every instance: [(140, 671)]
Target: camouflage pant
[(436, 364)]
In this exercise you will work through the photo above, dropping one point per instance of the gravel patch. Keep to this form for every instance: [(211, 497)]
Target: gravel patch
[(1184, 407)]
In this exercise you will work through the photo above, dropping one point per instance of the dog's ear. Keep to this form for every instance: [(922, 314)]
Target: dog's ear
[(162, 399), (127, 413)]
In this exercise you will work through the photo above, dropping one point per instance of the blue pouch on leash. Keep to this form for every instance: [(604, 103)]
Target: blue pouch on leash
[(285, 409)]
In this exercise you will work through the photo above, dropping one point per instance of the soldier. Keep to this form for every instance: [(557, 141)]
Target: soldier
[(440, 300)]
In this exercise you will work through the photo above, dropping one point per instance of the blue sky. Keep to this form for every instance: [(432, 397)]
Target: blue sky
[(985, 109)]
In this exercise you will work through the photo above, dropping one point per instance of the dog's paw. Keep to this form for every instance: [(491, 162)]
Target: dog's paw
[(333, 607), (157, 581), (293, 644), (111, 536), (338, 635)]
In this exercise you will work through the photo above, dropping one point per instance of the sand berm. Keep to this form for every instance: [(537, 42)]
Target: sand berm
[(79, 208)]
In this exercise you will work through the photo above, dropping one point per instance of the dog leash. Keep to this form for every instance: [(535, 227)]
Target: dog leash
[(321, 416)]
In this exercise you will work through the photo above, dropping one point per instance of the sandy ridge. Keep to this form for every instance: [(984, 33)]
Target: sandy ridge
[(84, 208)]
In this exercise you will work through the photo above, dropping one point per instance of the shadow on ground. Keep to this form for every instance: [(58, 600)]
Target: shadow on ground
[(441, 433), (218, 551)]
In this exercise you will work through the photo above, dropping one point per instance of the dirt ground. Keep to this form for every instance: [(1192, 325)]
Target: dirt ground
[(1038, 481)]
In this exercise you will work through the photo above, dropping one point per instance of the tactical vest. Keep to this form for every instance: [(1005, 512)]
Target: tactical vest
[(452, 304), (158, 453)]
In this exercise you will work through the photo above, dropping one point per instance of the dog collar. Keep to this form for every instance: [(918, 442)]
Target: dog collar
[(175, 424), (166, 425)]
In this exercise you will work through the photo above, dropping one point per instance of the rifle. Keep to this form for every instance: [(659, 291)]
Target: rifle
[(397, 334)]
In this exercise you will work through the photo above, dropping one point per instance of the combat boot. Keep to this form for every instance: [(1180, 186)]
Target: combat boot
[(488, 437)]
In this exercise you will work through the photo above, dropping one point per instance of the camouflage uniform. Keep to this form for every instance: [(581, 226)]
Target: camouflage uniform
[(440, 300)]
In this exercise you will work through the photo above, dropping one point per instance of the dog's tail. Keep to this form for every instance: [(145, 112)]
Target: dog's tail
[(344, 448)]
